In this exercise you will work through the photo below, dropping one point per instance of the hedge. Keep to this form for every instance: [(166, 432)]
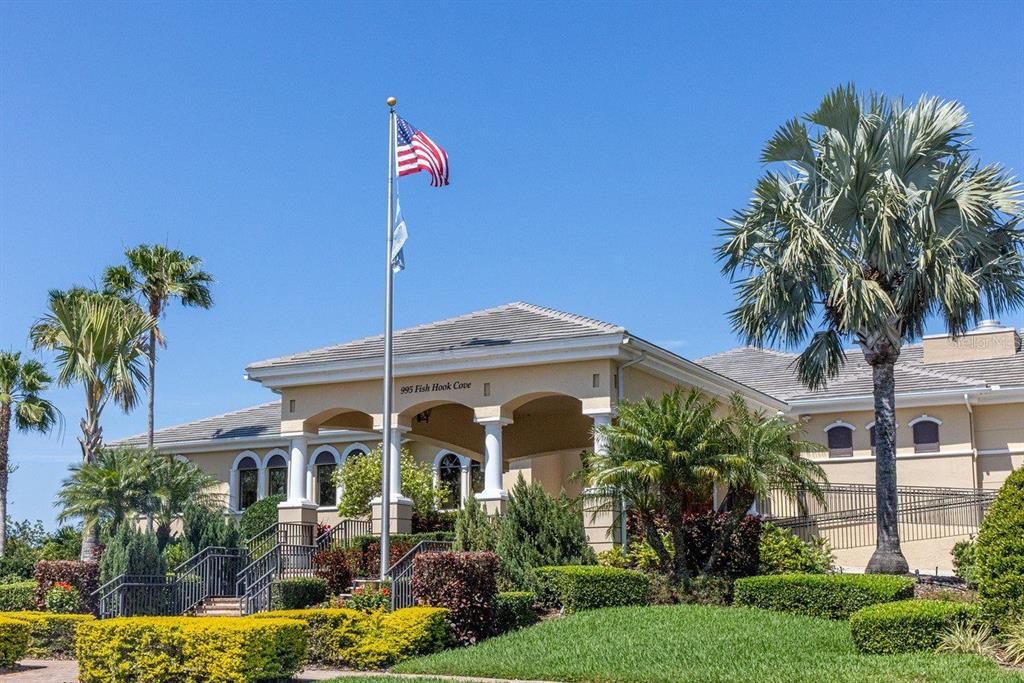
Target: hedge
[(907, 625), (85, 576), (189, 649), (297, 593), (463, 583), (999, 554), (14, 638), (514, 610), (17, 597), (347, 637), (833, 596), (581, 587), (52, 636)]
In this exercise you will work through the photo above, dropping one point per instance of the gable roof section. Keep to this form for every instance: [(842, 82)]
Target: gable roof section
[(259, 421), (514, 323), (774, 373)]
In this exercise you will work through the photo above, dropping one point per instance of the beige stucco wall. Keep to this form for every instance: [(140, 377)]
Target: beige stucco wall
[(954, 432)]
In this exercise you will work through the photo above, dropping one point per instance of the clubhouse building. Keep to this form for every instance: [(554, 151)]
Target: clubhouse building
[(517, 390)]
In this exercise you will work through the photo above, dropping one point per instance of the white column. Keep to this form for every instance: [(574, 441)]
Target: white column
[(261, 482), (493, 465), (233, 490), (309, 481), (395, 472), (297, 480)]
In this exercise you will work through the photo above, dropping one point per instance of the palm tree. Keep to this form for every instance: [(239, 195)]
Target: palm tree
[(21, 384), (765, 454), (664, 456), (110, 489), (172, 485), (156, 275), (880, 220), (100, 341)]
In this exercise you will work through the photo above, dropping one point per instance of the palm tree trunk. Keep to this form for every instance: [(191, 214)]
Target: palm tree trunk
[(151, 394), (5, 435), (90, 542), (887, 558)]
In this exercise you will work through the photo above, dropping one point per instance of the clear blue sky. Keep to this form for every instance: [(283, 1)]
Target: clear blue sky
[(593, 148)]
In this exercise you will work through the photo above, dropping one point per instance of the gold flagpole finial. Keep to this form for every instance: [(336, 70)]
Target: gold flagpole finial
[(392, 101)]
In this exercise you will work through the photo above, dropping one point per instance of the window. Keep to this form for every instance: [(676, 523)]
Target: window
[(277, 476), (326, 491), (248, 482), (449, 478), (926, 435), (840, 440), (476, 476)]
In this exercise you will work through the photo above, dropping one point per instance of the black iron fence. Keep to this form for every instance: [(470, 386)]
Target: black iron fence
[(846, 515), (343, 533)]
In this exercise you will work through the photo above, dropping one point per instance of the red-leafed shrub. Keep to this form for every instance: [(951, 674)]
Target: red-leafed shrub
[(712, 551), (463, 583), (332, 565), (84, 576)]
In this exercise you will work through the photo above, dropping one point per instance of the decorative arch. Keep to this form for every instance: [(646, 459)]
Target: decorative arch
[(358, 446), (924, 418), (520, 401), (323, 495), (839, 435), (926, 433), (243, 490), (272, 481)]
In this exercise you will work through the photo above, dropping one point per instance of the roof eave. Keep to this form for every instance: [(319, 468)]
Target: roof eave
[(908, 399), (676, 367), (602, 345)]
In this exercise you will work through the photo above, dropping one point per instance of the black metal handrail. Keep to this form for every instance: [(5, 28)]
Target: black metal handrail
[(212, 572), (343, 533), (137, 595), (400, 572), (847, 517)]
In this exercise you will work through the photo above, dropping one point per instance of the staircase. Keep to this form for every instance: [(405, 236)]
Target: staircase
[(226, 581), (220, 607)]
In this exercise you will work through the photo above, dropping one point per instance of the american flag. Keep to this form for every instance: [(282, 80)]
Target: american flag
[(416, 152)]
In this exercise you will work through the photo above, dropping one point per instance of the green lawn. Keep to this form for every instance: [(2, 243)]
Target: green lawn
[(693, 643)]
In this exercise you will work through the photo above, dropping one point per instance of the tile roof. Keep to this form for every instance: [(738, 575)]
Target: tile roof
[(513, 323), (258, 421), (773, 372)]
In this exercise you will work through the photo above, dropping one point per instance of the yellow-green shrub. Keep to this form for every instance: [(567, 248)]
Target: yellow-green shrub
[(370, 641), (14, 635), (52, 636), (189, 650)]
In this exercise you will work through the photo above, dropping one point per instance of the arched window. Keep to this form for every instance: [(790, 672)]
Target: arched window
[(476, 475), (449, 478), (277, 475), (926, 434), (840, 439), (326, 491), (248, 491)]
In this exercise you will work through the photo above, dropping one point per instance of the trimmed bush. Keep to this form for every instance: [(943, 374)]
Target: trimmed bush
[(514, 610), (463, 583), (907, 625), (999, 554), (14, 638), (17, 597), (82, 575), (581, 587), (346, 637), (189, 649), (716, 548), (257, 517), (965, 565), (332, 566), (833, 596), (52, 636), (298, 593), (780, 551)]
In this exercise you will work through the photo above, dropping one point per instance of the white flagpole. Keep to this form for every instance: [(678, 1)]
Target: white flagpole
[(385, 488)]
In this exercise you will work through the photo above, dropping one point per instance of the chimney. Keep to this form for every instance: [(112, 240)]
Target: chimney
[(990, 339)]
